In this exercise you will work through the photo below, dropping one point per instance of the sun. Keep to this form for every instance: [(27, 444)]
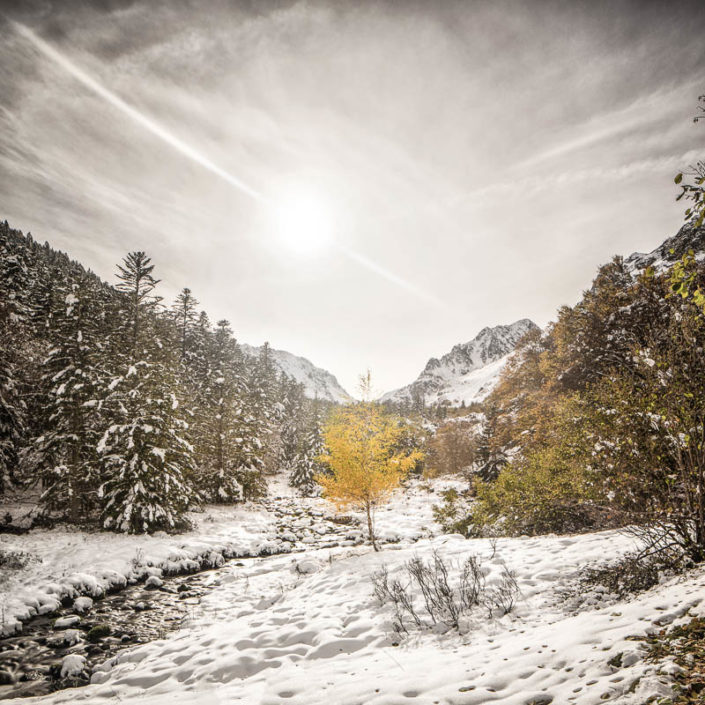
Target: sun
[(303, 220)]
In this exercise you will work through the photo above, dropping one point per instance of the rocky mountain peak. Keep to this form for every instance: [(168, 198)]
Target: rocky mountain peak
[(469, 371)]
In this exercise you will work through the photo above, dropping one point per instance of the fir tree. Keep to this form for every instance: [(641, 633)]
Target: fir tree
[(186, 319), (306, 465), (72, 381), (491, 455), (257, 420), (148, 461), (289, 419), (146, 457), (14, 283), (137, 283), (218, 430)]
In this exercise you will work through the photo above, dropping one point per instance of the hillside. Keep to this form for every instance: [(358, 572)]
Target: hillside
[(670, 250), (318, 383)]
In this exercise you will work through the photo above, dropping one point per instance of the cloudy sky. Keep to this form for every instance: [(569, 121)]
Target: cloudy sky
[(461, 164)]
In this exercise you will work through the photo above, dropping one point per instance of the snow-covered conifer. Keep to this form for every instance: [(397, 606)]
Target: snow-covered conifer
[(148, 461), (71, 383), (306, 464), (146, 457)]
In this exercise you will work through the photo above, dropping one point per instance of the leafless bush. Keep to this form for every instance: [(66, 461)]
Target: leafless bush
[(659, 541), (632, 574), (502, 597), (494, 540), (472, 583), (15, 560), (445, 600), (138, 559), (659, 553), (392, 591), (12, 561)]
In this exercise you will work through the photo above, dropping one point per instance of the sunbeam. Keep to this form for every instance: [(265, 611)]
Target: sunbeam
[(390, 276), (151, 125), (194, 155)]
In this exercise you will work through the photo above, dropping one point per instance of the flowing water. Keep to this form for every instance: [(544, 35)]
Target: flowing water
[(30, 662)]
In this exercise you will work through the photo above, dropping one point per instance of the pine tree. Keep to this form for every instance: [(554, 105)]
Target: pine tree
[(491, 455), (147, 459), (72, 380), (186, 319), (289, 419), (218, 431), (262, 388), (306, 465), (257, 422), (137, 283), (14, 282)]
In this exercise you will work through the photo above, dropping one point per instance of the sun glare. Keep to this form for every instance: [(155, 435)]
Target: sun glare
[(304, 222)]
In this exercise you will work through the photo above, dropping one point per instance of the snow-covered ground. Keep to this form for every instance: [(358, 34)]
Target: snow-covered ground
[(70, 562), (304, 628)]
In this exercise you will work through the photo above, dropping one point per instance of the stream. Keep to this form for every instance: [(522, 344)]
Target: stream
[(97, 629), (30, 662)]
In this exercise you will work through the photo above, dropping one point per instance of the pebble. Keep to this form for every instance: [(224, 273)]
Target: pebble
[(73, 665), (82, 604), (65, 622)]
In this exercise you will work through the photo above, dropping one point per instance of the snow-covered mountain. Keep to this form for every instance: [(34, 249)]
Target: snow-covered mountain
[(317, 382), (670, 250), (469, 371)]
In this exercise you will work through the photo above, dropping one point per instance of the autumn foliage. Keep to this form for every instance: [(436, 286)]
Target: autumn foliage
[(365, 459)]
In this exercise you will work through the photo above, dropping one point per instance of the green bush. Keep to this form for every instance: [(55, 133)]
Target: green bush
[(454, 514), (544, 493)]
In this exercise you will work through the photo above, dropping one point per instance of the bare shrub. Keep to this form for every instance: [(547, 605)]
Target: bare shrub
[(445, 600), (634, 572), (11, 561), (660, 541), (502, 597), (391, 591), (659, 553), (494, 540), (15, 560), (472, 583), (138, 559)]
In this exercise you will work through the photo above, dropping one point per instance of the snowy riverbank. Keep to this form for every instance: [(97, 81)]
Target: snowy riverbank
[(306, 629), (64, 562)]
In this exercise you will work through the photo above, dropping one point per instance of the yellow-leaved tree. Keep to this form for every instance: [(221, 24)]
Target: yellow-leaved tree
[(365, 460)]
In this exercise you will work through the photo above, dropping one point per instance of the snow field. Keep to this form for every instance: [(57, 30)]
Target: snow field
[(304, 628), (269, 633), (71, 563)]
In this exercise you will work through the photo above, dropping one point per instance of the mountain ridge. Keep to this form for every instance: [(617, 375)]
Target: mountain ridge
[(670, 250), (317, 381), (468, 372)]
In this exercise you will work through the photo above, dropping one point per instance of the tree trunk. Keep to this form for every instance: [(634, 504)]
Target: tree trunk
[(370, 531)]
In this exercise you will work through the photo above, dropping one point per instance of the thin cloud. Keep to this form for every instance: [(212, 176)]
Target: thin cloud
[(644, 111), (135, 115)]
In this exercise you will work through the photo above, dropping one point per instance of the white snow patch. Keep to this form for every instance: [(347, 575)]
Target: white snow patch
[(73, 665)]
